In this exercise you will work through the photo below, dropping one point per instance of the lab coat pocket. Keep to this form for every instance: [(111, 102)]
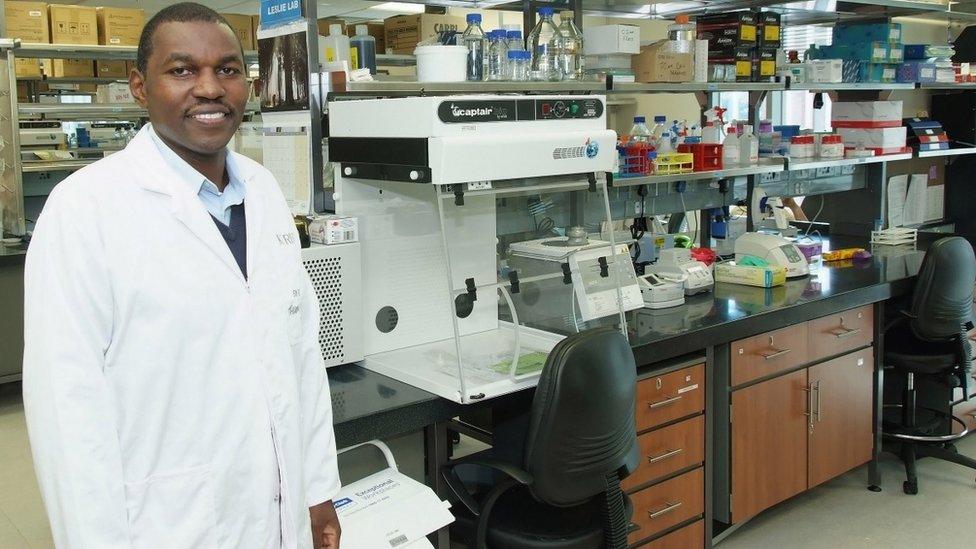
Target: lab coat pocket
[(175, 509)]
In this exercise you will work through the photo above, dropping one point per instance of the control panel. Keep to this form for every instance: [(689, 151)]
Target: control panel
[(520, 110)]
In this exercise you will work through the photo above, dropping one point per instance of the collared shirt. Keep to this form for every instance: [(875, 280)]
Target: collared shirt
[(217, 203)]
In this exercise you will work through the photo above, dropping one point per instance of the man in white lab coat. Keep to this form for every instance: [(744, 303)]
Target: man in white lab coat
[(173, 383)]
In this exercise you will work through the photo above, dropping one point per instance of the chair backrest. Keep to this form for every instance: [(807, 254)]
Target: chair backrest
[(582, 423), (943, 299)]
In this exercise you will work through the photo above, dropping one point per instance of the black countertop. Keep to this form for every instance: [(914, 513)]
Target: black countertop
[(368, 405), (12, 255)]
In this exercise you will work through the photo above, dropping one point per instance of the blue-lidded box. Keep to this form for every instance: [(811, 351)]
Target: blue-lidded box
[(928, 51), (916, 71), (873, 52), (868, 32)]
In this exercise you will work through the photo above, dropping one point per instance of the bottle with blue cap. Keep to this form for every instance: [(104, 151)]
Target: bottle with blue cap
[(518, 65), (544, 43), (515, 41), (498, 55), (474, 40), (639, 132)]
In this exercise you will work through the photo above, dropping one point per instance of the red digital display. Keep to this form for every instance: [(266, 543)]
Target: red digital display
[(546, 108)]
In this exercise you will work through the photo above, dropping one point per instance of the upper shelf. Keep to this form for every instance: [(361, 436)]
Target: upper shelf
[(88, 111), (690, 87), (76, 51), (765, 165), (382, 86)]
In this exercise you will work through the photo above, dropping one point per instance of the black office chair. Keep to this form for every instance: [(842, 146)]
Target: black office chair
[(581, 441), (927, 345)]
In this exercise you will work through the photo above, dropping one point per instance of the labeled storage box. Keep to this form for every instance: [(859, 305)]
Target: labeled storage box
[(119, 26), (763, 63), (655, 63), (404, 32), (741, 58), (72, 68), (111, 69), (611, 40), (28, 22), (73, 25), (880, 140), (862, 71), (866, 114), (916, 71), (727, 30), (768, 29), (763, 277), (928, 51), (870, 32), (116, 92), (825, 71), (873, 52)]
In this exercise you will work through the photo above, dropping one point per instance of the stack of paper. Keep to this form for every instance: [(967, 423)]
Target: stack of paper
[(894, 236)]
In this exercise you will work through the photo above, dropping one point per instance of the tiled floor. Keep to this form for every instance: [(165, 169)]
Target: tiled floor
[(841, 514)]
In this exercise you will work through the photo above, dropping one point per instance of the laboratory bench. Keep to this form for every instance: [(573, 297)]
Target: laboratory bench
[(12, 307), (774, 355), (12, 255)]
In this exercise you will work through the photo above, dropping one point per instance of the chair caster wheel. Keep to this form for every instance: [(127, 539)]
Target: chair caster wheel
[(910, 488), (874, 488)]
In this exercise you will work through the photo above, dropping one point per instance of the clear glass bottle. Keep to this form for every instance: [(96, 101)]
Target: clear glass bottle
[(518, 65), (498, 55), (571, 49), (544, 43), (515, 41), (640, 132), (474, 39)]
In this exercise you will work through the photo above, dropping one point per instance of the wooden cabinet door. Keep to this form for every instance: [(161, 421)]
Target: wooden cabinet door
[(769, 443), (842, 434)]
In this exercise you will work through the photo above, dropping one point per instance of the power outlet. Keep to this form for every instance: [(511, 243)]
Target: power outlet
[(479, 186)]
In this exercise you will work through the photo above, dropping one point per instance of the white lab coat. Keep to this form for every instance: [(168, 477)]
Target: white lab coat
[(160, 386)]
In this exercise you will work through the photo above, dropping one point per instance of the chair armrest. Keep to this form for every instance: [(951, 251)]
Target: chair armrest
[(457, 487)]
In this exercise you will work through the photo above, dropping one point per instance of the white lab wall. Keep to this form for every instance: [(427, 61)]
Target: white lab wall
[(919, 31)]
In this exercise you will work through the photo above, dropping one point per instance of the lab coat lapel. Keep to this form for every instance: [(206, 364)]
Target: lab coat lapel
[(253, 219), (184, 205)]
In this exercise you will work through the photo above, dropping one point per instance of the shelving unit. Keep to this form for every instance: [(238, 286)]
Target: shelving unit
[(765, 165), (813, 164)]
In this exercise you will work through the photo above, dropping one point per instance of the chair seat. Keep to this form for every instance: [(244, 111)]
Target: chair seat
[(519, 521), (905, 352), (926, 422)]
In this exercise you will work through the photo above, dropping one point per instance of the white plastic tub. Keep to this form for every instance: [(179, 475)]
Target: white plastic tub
[(441, 63)]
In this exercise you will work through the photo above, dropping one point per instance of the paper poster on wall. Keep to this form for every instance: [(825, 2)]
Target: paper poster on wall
[(283, 68), (896, 194), (916, 200), (285, 149), (935, 202)]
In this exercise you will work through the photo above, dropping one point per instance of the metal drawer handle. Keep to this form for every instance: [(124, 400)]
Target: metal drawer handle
[(670, 507), (776, 353), (847, 332), (664, 456), (664, 402)]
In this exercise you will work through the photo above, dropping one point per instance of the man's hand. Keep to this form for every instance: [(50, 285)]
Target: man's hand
[(325, 526)]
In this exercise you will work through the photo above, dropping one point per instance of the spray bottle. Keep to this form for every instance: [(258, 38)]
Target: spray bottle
[(714, 122)]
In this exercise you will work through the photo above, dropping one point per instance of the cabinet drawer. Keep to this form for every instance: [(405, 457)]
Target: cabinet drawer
[(667, 450), (661, 399), (664, 505), (769, 353), (689, 537), (837, 334)]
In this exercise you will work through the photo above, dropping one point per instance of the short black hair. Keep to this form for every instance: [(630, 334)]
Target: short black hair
[(184, 12)]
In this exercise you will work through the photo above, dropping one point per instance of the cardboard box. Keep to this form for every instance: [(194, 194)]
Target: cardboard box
[(116, 92), (119, 26), (241, 25), (73, 25), (655, 63), (404, 32), (111, 69), (866, 114), (376, 30), (27, 21), (611, 40), (72, 68), (324, 23), (881, 140)]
